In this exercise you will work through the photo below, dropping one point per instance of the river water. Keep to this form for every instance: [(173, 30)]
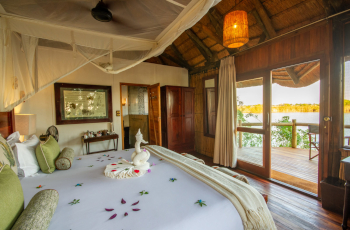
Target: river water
[(300, 117)]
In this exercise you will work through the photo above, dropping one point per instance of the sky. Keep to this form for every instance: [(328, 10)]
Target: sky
[(281, 95)]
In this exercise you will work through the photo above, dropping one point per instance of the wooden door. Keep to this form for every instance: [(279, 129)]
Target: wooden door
[(188, 118), (155, 131), (174, 111), (255, 157), (211, 110)]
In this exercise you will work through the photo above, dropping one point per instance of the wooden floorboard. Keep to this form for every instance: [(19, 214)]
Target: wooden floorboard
[(288, 165), (289, 209)]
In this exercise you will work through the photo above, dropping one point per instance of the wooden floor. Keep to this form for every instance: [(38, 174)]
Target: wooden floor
[(289, 165), (290, 209)]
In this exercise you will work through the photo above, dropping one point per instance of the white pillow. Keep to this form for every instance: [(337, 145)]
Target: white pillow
[(12, 140), (28, 164)]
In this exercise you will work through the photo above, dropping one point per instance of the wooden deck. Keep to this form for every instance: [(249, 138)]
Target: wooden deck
[(289, 165)]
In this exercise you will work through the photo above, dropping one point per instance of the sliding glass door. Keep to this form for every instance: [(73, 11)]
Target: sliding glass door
[(253, 124)]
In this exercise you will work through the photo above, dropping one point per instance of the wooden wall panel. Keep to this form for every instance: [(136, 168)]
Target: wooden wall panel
[(7, 123), (203, 144), (289, 49)]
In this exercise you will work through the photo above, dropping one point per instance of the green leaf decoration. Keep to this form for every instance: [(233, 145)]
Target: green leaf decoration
[(143, 192), (201, 203), (75, 201), (90, 166)]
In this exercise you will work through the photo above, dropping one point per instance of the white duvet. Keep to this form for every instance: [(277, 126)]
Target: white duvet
[(169, 205)]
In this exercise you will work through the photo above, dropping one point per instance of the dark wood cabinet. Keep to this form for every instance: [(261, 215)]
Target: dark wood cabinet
[(177, 105)]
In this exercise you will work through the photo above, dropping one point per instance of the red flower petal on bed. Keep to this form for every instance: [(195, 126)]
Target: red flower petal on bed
[(136, 203), (109, 209), (113, 216), (137, 171), (125, 214), (136, 209), (123, 201), (113, 170), (113, 164)]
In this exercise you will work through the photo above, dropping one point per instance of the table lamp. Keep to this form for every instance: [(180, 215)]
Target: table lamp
[(25, 124)]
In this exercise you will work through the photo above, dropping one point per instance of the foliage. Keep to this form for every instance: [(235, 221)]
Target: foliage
[(281, 135), (283, 108)]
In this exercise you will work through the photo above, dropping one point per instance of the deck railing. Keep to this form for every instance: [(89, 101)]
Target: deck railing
[(294, 125)]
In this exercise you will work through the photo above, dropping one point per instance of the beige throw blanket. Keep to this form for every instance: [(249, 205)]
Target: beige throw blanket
[(249, 203)]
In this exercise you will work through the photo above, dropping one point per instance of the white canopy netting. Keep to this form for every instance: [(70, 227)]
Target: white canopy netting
[(43, 41)]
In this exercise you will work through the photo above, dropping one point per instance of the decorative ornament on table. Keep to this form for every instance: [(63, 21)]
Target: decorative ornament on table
[(136, 168)]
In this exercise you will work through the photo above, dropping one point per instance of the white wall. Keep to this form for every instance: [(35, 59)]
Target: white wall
[(42, 104)]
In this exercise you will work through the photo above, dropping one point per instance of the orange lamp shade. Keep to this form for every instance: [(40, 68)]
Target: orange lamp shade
[(236, 29)]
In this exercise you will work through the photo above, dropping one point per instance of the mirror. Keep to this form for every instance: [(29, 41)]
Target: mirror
[(210, 103)]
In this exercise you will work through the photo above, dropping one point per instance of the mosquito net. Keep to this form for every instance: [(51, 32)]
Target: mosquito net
[(42, 41)]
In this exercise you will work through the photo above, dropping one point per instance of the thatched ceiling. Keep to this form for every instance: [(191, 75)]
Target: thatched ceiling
[(294, 76), (202, 44)]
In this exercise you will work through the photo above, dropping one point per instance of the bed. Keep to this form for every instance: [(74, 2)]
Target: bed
[(168, 205)]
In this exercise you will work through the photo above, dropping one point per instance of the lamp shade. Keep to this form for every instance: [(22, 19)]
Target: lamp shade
[(25, 123), (235, 29)]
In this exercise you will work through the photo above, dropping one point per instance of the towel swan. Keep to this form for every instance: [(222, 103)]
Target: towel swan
[(140, 157), (136, 168)]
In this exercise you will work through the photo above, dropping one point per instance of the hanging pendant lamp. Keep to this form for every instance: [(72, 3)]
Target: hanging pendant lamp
[(235, 29)]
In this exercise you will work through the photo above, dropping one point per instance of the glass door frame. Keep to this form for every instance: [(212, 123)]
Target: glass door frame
[(265, 169)]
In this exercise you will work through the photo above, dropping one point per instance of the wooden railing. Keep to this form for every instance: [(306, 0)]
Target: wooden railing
[(294, 125)]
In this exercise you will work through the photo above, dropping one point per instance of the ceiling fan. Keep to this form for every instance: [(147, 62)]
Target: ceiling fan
[(101, 12)]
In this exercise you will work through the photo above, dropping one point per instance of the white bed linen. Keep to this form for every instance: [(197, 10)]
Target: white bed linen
[(169, 205)]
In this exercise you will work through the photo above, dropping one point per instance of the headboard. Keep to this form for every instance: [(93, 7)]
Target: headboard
[(7, 123)]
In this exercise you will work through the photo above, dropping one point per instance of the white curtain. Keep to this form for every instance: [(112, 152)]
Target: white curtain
[(225, 150)]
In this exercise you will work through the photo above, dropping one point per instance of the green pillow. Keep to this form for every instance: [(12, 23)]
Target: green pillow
[(46, 154), (11, 198), (6, 155), (39, 212), (65, 159)]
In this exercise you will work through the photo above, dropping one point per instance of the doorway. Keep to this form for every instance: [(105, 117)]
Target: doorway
[(134, 112), (278, 117), (295, 117)]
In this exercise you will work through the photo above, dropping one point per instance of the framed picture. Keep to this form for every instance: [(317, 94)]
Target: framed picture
[(77, 103)]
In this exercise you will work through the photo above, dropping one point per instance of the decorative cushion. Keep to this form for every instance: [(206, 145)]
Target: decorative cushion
[(11, 198), (46, 154), (65, 159), (12, 140), (28, 164), (39, 212), (6, 155)]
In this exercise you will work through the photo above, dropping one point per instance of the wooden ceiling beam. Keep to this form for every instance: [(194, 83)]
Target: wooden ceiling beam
[(265, 18), (260, 23), (179, 56), (210, 66), (217, 25), (171, 58), (310, 70), (161, 60), (292, 75), (205, 51)]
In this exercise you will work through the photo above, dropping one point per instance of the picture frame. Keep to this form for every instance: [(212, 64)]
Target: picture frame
[(80, 103)]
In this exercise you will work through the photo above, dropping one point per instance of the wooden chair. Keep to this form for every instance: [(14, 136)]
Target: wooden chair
[(313, 130)]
